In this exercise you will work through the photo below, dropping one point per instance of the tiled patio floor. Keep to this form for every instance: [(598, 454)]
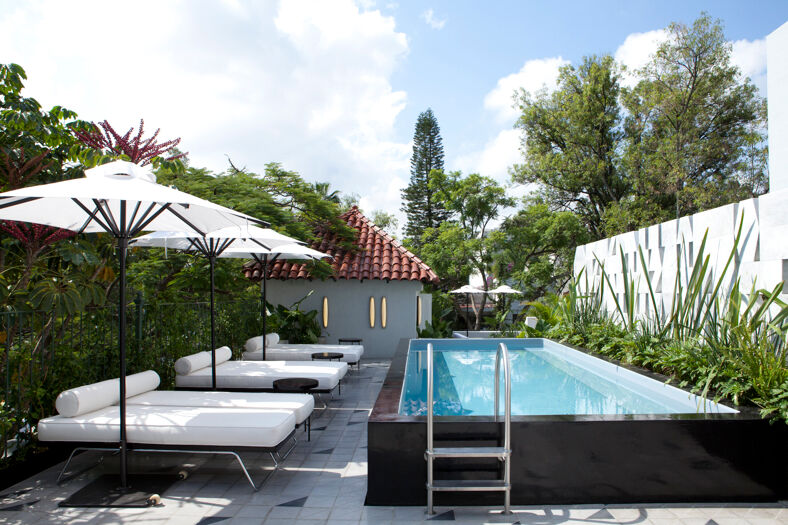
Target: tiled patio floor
[(324, 481)]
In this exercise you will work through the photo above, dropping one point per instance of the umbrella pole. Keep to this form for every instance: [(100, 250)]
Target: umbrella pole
[(467, 315), (265, 313), (122, 248), (212, 264)]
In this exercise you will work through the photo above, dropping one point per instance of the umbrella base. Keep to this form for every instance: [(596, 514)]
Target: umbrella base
[(144, 490)]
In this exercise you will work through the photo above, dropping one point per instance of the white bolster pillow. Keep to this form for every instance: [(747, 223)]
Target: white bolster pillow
[(223, 354), (254, 344), (191, 363), (88, 398), (137, 384)]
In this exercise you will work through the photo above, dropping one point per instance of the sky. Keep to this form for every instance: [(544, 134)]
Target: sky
[(332, 89)]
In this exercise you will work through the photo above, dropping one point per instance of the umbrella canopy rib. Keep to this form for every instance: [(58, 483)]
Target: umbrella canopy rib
[(91, 218), (17, 202)]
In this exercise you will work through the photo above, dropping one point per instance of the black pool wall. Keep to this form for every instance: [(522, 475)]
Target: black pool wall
[(583, 459)]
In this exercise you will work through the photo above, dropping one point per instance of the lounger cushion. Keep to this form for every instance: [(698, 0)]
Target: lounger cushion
[(262, 374), (272, 339), (296, 352), (301, 404), (157, 425), (92, 397), (192, 363)]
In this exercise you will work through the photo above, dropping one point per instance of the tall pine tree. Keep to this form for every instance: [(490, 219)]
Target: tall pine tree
[(422, 210)]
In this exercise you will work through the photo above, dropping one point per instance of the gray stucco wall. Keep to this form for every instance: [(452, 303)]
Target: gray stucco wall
[(348, 306)]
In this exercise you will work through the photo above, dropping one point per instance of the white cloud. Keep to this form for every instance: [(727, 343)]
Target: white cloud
[(429, 17), (636, 51), (495, 158), (303, 83), (750, 58), (533, 76), (385, 195)]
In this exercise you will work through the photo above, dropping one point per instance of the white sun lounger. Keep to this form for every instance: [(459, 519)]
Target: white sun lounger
[(276, 351), (247, 376), (174, 426), (302, 405), (90, 419)]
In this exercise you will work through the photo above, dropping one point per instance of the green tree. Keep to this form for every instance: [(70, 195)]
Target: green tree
[(423, 211), (695, 130), (385, 221), (572, 141), (538, 248), (324, 190), (465, 243), (292, 206)]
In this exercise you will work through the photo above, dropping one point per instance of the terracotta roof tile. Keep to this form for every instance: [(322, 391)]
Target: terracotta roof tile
[(377, 256)]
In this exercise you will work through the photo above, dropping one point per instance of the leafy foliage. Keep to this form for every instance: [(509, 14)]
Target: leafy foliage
[(692, 121), (293, 325), (688, 137), (464, 243), (537, 248), (572, 141), (131, 147)]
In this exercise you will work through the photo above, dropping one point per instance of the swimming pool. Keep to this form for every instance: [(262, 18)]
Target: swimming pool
[(548, 378), (611, 453)]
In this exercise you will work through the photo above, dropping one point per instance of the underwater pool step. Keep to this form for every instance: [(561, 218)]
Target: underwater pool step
[(470, 452), (474, 485)]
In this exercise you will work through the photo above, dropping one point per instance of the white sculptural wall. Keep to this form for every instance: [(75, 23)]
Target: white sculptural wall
[(761, 255)]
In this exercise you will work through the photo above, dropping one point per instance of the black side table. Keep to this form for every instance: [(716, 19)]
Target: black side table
[(298, 385), (295, 385), (327, 356)]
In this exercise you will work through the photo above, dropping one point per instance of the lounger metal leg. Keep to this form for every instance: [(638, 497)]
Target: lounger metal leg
[(71, 456), (325, 405), (286, 454), (225, 453)]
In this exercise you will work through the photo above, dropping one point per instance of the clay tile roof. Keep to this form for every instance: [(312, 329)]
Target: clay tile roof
[(378, 256)]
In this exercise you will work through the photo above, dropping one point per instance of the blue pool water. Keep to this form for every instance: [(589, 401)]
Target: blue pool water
[(547, 379)]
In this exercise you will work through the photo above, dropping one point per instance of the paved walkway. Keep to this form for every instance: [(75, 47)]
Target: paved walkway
[(324, 481)]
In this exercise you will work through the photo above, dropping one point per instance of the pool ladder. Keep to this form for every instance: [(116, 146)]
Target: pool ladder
[(503, 453)]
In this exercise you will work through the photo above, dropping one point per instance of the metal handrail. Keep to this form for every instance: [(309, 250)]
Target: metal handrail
[(430, 448), (504, 352)]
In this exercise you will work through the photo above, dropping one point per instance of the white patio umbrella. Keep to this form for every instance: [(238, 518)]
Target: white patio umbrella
[(122, 199), (504, 289), (467, 289), (212, 245), (252, 250)]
